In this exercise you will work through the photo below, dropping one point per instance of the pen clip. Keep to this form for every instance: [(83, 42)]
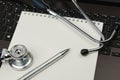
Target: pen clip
[(41, 4)]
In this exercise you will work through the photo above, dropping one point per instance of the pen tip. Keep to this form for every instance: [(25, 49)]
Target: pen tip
[(66, 50)]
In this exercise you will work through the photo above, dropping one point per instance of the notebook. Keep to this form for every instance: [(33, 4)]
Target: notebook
[(45, 35)]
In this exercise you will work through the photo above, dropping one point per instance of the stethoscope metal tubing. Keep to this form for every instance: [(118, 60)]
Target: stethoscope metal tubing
[(42, 5), (73, 25), (78, 29), (84, 33), (90, 22)]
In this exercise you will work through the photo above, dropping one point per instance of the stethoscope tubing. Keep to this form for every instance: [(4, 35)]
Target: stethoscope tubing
[(44, 6)]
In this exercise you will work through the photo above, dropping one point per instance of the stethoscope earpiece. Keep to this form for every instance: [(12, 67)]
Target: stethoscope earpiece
[(84, 52), (18, 57)]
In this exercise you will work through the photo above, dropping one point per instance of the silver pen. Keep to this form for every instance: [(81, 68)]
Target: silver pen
[(44, 65)]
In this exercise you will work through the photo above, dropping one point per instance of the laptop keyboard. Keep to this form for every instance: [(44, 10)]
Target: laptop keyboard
[(10, 13)]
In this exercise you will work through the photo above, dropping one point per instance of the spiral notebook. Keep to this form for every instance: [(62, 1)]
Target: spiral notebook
[(45, 35)]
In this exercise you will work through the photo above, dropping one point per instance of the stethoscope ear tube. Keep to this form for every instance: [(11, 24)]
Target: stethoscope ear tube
[(40, 4)]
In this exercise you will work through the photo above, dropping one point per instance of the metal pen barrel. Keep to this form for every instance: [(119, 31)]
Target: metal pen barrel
[(44, 65)]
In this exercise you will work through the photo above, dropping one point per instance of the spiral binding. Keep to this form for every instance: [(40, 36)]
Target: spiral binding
[(53, 17)]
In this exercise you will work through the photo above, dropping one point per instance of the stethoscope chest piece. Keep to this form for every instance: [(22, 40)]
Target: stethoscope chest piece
[(21, 57)]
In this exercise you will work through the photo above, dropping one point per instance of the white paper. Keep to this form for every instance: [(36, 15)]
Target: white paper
[(44, 36)]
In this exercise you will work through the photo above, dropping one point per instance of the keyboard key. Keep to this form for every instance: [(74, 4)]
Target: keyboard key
[(1, 35), (105, 50), (9, 9), (8, 36), (117, 35), (110, 28), (113, 18), (2, 21), (9, 22), (104, 18), (117, 24), (117, 54), (11, 29), (115, 43), (10, 16), (105, 53), (17, 10), (3, 28)]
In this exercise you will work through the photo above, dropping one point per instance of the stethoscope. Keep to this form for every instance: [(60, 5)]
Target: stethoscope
[(20, 58), (42, 5)]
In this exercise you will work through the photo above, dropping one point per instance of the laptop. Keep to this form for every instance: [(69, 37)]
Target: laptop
[(106, 11)]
